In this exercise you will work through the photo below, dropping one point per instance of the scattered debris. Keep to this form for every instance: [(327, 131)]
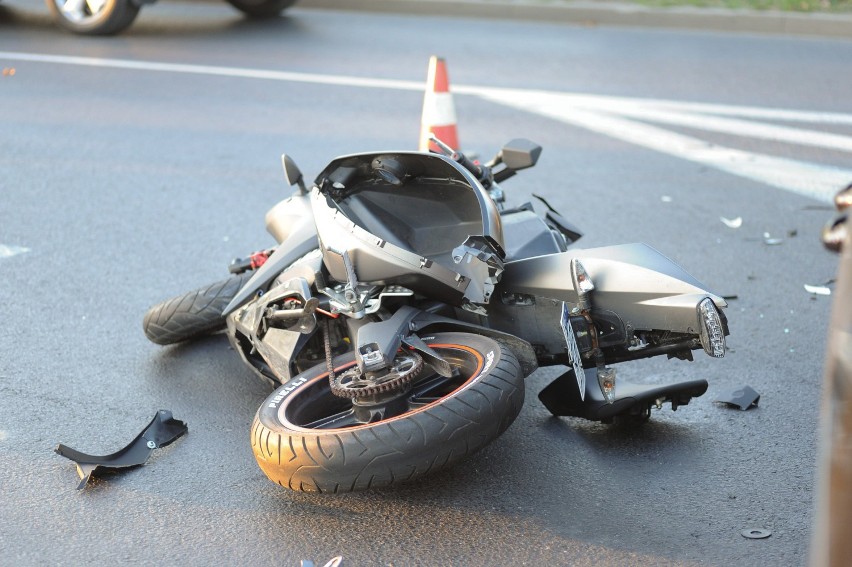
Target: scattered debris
[(666, 199), (793, 233), (732, 223), (743, 398), (7, 251), (756, 533), (730, 297), (818, 289), (162, 430), (8, 71), (770, 241)]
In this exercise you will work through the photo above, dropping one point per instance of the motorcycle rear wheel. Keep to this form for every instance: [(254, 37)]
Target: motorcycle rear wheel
[(306, 439), (192, 314)]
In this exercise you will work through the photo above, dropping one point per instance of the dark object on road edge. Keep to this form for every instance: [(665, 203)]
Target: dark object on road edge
[(162, 430), (831, 544), (743, 398), (756, 533)]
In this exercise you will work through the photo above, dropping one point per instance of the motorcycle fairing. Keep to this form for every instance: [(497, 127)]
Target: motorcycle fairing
[(646, 288), (377, 260), (291, 222), (415, 219), (270, 349)]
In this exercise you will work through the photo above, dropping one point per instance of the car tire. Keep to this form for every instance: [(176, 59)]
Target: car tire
[(111, 17), (261, 8)]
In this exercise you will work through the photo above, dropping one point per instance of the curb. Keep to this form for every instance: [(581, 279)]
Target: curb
[(591, 13)]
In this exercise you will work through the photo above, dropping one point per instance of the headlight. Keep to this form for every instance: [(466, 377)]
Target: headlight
[(711, 332)]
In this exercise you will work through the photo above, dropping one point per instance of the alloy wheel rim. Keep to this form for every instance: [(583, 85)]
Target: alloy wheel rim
[(81, 11)]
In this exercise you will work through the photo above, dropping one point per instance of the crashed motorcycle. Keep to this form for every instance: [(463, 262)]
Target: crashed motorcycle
[(405, 304)]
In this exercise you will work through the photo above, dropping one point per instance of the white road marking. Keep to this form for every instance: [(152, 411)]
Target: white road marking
[(817, 181), (615, 103), (9, 251), (738, 127), (213, 70), (617, 117)]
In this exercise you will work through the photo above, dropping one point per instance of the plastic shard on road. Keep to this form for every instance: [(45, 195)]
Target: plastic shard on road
[(162, 430)]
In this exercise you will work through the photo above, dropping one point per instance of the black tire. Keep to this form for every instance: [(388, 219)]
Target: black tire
[(192, 314), (261, 8), (113, 17), (439, 426)]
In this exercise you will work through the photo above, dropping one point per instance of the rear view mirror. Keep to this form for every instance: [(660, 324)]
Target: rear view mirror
[(520, 154), (517, 154), (292, 173)]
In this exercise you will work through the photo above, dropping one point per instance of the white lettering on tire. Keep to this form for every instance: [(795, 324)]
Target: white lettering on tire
[(285, 391)]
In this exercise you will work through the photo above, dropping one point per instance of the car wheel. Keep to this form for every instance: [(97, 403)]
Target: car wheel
[(261, 8), (93, 17)]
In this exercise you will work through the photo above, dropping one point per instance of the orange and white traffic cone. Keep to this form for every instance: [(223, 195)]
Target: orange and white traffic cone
[(439, 113)]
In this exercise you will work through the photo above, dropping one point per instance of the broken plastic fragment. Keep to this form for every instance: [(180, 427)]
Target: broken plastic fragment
[(743, 398), (732, 223), (817, 289), (162, 430)]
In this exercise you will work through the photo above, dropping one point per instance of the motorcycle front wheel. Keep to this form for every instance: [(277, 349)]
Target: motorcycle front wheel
[(307, 439), (195, 313)]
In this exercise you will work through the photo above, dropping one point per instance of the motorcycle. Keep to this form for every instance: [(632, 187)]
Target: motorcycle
[(405, 304)]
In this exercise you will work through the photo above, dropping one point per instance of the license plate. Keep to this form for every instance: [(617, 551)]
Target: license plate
[(573, 350)]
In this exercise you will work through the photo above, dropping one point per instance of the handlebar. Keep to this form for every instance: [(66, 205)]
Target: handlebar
[(482, 173)]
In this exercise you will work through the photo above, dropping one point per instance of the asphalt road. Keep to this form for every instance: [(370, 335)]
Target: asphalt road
[(124, 185)]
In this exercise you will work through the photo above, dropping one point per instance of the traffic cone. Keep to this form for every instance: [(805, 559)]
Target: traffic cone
[(439, 113)]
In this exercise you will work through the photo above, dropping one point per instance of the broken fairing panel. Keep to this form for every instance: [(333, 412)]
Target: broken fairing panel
[(162, 430)]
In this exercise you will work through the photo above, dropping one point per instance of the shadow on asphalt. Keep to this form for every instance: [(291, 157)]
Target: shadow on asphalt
[(206, 375)]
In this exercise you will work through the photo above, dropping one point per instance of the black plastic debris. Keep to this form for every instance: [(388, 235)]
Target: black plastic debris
[(756, 533), (162, 430), (743, 398)]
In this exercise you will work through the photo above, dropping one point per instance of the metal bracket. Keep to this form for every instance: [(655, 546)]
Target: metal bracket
[(477, 259)]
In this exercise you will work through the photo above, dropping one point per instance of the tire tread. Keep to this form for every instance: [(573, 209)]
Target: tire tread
[(194, 313), (398, 451)]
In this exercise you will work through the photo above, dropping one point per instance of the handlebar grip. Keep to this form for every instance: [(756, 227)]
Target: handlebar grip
[(469, 165)]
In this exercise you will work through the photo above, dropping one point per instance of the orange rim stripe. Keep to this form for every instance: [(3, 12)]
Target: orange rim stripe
[(479, 364)]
